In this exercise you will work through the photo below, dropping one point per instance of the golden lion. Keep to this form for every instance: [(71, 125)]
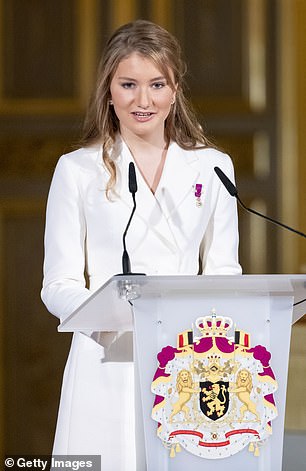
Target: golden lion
[(185, 389), (213, 402), (243, 389)]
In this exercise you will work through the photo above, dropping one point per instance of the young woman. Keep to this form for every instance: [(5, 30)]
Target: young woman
[(185, 222)]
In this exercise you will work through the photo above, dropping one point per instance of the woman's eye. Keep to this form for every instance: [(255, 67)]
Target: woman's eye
[(159, 85), (128, 85)]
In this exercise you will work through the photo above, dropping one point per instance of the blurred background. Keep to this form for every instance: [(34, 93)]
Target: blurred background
[(247, 81)]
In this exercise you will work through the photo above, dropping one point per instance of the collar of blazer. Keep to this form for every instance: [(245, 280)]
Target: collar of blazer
[(176, 182), (179, 174)]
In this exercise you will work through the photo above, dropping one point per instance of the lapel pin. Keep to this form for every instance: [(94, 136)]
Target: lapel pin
[(198, 194)]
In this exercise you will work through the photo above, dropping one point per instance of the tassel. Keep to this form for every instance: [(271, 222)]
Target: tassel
[(172, 452), (251, 447), (178, 448), (256, 453)]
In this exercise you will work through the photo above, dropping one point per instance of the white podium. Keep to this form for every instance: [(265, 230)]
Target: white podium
[(157, 308)]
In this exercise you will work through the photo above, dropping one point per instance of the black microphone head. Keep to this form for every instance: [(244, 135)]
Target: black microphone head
[(226, 182), (132, 178)]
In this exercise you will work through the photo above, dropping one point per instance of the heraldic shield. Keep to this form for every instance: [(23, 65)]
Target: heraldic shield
[(214, 393), (214, 399)]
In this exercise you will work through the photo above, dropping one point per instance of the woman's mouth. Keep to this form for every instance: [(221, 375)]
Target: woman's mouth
[(142, 115)]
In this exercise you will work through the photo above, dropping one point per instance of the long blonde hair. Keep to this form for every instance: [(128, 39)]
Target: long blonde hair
[(153, 42)]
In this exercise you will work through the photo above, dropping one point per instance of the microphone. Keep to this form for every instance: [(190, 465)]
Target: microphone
[(234, 192), (126, 263), (226, 182), (132, 180)]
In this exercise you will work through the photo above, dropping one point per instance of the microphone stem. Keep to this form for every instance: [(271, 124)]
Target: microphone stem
[(299, 302), (129, 221), (277, 223), (126, 264)]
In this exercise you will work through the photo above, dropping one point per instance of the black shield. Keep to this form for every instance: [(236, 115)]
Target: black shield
[(214, 399)]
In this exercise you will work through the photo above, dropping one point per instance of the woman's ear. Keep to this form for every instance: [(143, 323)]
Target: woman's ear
[(174, 94)]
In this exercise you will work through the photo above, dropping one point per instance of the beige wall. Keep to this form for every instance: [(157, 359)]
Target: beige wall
[(293, 140), (301, 100), (292, 126)]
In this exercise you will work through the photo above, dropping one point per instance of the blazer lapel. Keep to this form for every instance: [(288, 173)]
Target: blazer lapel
[(176, 183), (178, 179), (145, 199)]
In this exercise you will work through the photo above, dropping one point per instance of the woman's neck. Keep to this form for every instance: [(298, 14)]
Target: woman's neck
[(149, 158), (143, 143)]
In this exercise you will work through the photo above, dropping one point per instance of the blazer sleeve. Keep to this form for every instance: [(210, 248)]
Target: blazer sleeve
[(219, 247), (64, 287)]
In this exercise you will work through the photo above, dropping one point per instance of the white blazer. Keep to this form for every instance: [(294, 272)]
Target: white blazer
[(168, 235)]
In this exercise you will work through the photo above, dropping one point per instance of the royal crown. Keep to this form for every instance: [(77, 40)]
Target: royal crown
[(213, 325)]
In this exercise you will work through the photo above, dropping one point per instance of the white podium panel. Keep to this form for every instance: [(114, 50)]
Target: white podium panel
[(157, 323), (162, 307)]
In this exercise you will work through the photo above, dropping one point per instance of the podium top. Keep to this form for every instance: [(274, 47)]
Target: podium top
[(107, 309)]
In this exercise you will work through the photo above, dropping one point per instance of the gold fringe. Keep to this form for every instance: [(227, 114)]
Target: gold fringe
[(251, 447)]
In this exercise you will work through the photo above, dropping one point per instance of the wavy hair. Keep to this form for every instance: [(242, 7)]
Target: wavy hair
[(155, 43)]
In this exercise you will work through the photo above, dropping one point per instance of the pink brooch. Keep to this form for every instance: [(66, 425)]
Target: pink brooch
[(198, 194)]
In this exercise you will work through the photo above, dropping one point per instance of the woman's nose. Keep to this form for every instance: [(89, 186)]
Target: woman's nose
[(143, 98)]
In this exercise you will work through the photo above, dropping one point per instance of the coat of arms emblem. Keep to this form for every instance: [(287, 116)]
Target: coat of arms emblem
[(213, 392)]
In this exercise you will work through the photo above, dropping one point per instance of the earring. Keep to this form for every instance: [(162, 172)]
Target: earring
[(173, 101), (110, 102)]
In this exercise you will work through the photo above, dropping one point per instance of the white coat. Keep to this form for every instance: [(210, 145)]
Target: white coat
[(167, 235)]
